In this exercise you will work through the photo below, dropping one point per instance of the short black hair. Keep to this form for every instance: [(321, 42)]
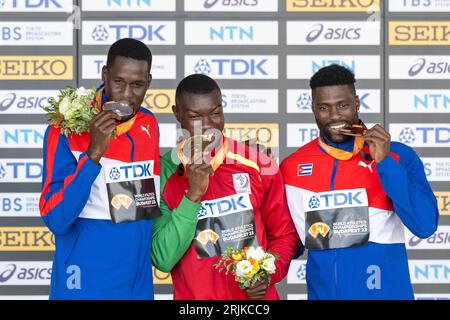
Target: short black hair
[(196, 84), (129, 48), (333, 75)]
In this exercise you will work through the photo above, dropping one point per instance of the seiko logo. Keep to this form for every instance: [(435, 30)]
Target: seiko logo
[(432, 32), (38, 67), (334, 4)]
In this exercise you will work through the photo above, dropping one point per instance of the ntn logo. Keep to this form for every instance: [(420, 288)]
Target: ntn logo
[(316, 65), (231, 33), (434, 100), (22, 135)]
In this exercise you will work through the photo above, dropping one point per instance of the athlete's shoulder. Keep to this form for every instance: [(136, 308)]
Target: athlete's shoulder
[(300, 154), (402, 151)]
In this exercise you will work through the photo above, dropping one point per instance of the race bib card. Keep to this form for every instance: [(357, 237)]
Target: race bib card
[(225, 222), (336, 219), (131, 191)]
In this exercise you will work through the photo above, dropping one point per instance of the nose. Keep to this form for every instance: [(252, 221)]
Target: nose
[(127, 93), (334, 113)]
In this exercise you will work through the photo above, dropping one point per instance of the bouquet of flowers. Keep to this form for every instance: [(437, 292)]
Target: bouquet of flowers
[(73, 110), (248, 265)]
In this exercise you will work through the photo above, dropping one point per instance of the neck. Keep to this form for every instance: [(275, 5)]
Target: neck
[(346, 145)]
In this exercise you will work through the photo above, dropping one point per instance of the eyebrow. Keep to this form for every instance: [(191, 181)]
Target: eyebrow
[(190, 110)]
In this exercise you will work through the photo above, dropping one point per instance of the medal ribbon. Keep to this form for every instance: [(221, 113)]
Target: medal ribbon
[(342, 154)]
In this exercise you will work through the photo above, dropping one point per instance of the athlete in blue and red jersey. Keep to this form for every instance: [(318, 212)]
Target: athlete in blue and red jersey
[(96, 258), (351, 196)]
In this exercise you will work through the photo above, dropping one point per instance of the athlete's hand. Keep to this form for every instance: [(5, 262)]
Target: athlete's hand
[(198, 176), (379, 141), (258, 290), (100, 130)]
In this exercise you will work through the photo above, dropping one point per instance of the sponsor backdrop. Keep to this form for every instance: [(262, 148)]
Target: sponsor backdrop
[(262, 52)]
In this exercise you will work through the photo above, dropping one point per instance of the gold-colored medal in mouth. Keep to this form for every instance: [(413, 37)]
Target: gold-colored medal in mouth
[(197, 145), (356, 130)]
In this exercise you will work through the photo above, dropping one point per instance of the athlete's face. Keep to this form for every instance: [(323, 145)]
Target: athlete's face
[(335, 106), (127, 81), (199, 113)]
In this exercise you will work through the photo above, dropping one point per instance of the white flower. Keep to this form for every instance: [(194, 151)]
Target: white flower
[(64, 105), (82, 91), (256, 254), (243, 267), (269, 264)]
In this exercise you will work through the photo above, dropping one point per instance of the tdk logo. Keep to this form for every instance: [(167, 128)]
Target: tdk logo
[(425, 135), (225, 206), (362, 99), (32, 4), (222, 207), (20, 171), (139, 32), (337, 199), (100, 33), (304, 101), (2, 172), (407, 136), (231, 32), (314, 202), (333, 33), (308, 134), (131, 172), (202, 67), (301, 272), (235, 67), (429, 67), (316, 65)]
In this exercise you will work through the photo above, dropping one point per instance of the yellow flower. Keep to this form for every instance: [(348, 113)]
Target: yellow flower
[(254, 270), (237, 257)]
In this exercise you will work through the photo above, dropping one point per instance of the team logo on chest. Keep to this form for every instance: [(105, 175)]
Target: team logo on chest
[(241, 182), (365, 165)]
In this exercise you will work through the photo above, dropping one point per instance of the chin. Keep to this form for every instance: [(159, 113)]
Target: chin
[(338, 138)]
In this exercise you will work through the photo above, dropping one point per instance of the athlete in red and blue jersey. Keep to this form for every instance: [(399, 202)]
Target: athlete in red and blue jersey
[(351, 196), (96, 258)]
